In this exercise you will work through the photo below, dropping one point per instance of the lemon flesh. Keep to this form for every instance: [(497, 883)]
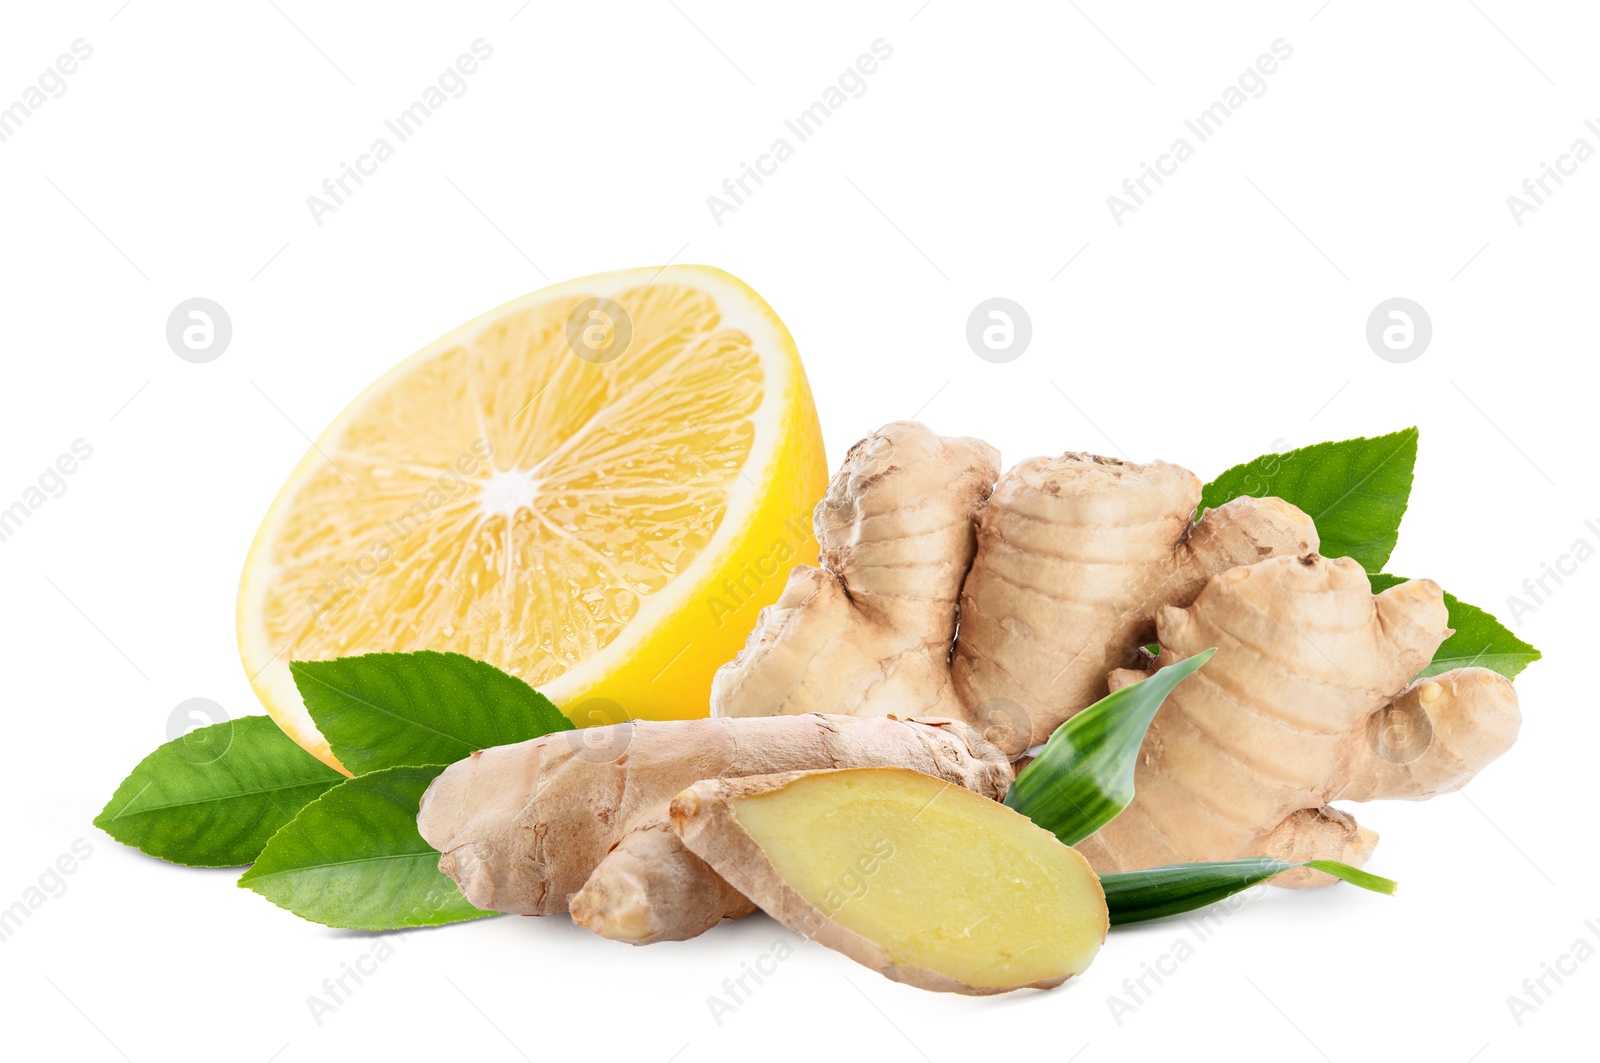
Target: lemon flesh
[(594, 487)]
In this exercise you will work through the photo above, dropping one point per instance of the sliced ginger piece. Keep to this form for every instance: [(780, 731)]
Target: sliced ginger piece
[(924, 882)]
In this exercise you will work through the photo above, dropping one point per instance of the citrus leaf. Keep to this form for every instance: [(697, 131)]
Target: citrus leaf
[(1356, 490), (1084, 776), (384, 710), (1135, 896), (213, 797), (353, 859), (1480, 640)]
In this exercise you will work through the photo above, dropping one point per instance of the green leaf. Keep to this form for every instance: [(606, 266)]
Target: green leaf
[(1480, 640), (384, 710), (1135, 896), (213, 797), (1355, 490), (1084, 776), (353, 859)]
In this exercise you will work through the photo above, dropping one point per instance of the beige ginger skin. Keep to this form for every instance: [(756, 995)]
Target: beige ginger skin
[(869, 632), (1308, 700), (1072, 565), (1055, 573)]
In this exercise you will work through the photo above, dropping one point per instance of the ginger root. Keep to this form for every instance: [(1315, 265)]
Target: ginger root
[(1308, 700), (1053, 575), (1004, 605), (922, 881), (578, 820), (869, 633), (1015, 607)]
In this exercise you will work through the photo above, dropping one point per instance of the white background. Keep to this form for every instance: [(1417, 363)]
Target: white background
[(1224, 317)]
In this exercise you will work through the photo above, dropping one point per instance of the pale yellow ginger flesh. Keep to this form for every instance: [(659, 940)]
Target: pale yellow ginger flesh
[(946, 589), (578, 820), (923, 881), (1308, 700)]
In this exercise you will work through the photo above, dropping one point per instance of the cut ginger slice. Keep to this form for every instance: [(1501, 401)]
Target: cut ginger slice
[(594, 487), (921, 880)]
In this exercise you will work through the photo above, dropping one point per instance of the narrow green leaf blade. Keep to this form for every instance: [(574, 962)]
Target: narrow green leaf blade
[(384, 710), (1355, 876), (1157, 892), (353, 859), (1084, 776), (213, 797), (1356, 490), (1480, 640)]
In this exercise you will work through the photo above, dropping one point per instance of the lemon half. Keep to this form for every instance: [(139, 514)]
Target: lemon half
[(594, 487)]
